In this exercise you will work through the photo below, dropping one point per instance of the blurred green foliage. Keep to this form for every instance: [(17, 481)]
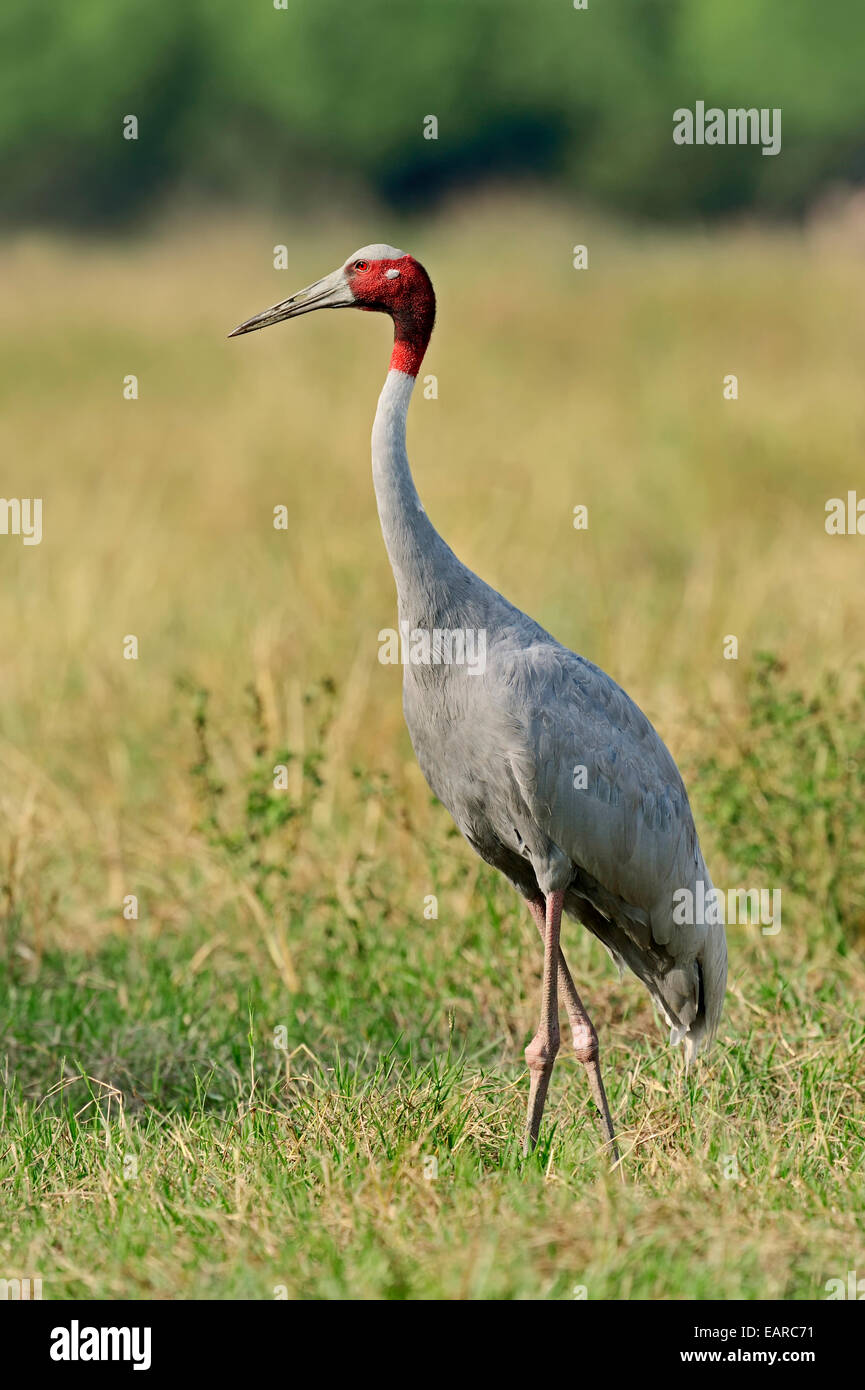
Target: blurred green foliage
[(244, 101)]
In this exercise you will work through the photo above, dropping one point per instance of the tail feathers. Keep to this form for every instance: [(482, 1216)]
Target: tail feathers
[(713, 974), (691, 997), (711, 966), (688, 990)]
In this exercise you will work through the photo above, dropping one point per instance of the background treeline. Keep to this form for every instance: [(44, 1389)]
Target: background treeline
[(327, 99)]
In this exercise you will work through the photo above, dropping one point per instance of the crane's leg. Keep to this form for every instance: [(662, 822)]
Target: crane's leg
[(583, 1031), (541, 1051)]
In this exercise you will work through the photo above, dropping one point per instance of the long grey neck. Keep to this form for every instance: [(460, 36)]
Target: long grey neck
[(419, 558)]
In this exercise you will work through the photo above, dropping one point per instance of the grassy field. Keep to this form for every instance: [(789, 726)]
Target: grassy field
[(242, 1092)]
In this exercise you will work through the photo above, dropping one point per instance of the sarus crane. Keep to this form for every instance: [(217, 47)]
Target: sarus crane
[(548, 768)]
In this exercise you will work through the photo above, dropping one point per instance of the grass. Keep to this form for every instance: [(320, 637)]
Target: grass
[(158, 1144), (240, 1091)]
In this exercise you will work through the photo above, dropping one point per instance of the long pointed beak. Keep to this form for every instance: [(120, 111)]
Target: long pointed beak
[(333, 292)]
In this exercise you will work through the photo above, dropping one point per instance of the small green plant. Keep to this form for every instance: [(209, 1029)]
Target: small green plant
[(258, 826)]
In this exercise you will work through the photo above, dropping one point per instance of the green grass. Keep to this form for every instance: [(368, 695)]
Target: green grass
[(256, 1168), (169, 1131)]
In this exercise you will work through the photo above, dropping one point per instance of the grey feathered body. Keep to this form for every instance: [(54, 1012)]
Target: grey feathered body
[(503, 749)]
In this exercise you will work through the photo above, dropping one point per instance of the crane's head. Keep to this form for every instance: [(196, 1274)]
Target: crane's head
[(377, 278)]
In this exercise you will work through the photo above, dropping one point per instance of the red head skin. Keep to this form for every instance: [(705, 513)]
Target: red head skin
[(409, 299)]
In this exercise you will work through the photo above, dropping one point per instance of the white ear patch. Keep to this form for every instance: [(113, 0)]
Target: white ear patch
[(391, 274)]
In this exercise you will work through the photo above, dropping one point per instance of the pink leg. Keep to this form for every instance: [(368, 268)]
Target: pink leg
[(582, 1029), (541, 1051)]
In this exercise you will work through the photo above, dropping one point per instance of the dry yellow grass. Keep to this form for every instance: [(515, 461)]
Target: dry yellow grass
[(555, 387)]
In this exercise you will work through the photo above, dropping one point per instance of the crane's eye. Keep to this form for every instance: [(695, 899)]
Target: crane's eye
[(361, 265)]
